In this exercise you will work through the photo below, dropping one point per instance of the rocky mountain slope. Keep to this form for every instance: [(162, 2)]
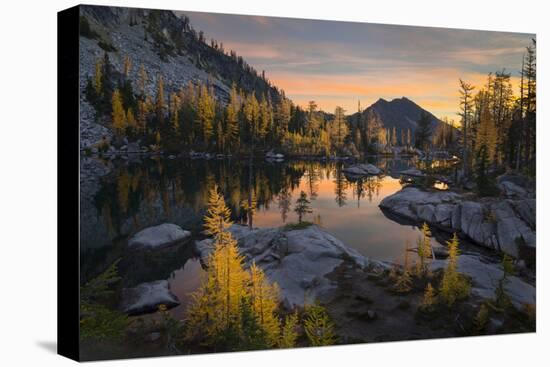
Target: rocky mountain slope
[(164, 44)]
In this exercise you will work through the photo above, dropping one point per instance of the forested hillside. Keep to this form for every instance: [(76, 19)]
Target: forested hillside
[(151, 82)]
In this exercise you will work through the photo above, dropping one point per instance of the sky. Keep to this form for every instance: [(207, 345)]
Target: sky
[(341, 63)]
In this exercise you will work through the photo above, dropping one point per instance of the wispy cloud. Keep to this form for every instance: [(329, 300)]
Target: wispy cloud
[(336, 63)]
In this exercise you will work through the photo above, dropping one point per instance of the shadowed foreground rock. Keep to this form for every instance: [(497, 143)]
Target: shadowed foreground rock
[(147, 297)]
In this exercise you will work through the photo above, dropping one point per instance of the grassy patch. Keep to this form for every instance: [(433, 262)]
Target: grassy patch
[(296, 226)]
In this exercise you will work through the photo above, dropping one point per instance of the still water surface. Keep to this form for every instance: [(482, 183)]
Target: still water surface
[(139, 194)]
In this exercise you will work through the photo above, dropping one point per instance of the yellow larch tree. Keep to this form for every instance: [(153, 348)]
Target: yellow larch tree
[(429, 298), (264, 298), (218, 309), (487, 133), (265, 118), (143, 109), (289, 335), (142, 79), (424, 248), (218, 215), (318, 326), (230, 279), (159, 102), (174, 111), (206, 113), (215, 306), (251, 111), (232, 118), (118, 115), (98, 76), (127, 65), (453, 285)]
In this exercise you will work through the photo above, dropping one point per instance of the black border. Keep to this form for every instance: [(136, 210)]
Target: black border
[(68, 183)]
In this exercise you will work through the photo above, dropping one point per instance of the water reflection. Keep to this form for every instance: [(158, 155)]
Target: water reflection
[(140, 194)]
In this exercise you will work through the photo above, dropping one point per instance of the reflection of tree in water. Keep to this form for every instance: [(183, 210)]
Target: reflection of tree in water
[(317, 220), (358, 190), (340, 185), (154, 188), (368, 186), (372, 186), (284, 201), (314, 176)]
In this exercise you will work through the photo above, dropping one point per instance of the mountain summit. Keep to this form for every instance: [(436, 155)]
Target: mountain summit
[(400, 113)]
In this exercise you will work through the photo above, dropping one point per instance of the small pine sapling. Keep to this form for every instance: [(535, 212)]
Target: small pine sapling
[(302, 206), (454, 286), (480, 320), (428, 302)]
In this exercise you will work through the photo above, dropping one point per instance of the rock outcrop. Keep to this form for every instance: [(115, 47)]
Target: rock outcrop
[(485, 277), (160, 236), (501, 224), (413, 172), (147, 297), (362, 169), (298, 260)]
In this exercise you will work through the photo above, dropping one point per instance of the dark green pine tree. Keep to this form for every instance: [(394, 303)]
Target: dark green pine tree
[(302, 206), (485, 183)]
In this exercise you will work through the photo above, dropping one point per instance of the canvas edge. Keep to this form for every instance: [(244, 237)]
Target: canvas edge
[(68, 183)]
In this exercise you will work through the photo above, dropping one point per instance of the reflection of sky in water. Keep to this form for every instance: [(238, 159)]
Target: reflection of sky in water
[(151, 192), (359, 223), (183, 282)]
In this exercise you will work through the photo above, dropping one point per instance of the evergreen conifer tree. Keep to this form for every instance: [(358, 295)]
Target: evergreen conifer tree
[(318, 326), (453, 285), (302, 206)]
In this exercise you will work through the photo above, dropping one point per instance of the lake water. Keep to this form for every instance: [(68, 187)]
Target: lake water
[(138, 194)]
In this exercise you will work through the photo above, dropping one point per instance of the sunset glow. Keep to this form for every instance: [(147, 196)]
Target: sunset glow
[(337, 63)]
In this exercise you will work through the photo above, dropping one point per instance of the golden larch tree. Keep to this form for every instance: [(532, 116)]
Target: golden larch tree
[(206, 113), (453, 285), (142, 79), (264, 298), (98, 76), (127, 66), (118, 115), (318, 326), (215, 306), (232, 118), (487, 133), (424, 248), (289, 335), (159, 102)]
